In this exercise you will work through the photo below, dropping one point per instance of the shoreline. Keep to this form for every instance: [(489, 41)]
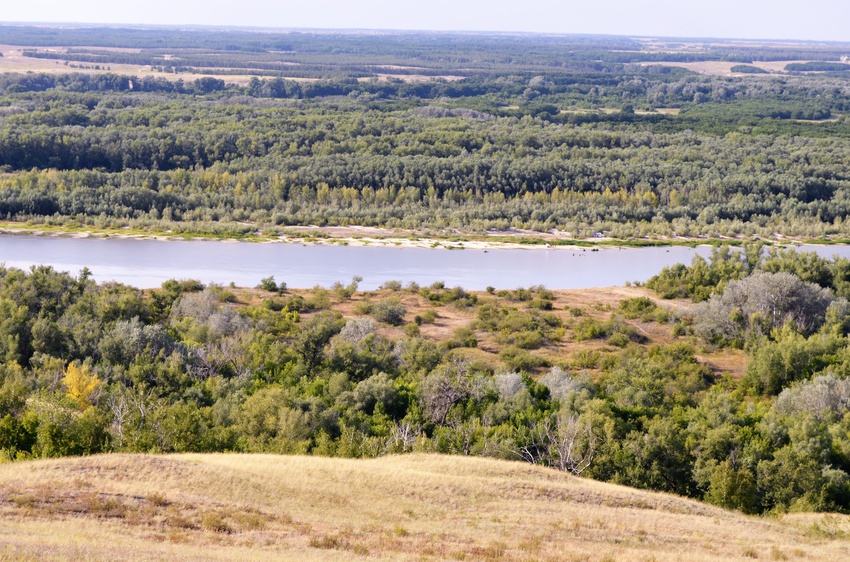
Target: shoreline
[(359, 236)]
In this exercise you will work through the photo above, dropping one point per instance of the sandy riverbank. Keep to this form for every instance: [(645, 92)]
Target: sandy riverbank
[(373, 236), (349, 236)]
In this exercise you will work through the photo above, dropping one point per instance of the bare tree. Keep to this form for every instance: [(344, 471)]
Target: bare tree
[(572, 444), (444, 388), (567, 443), (120, 408), (402, 436)]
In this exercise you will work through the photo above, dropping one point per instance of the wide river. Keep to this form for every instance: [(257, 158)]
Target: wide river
[(147, 263)]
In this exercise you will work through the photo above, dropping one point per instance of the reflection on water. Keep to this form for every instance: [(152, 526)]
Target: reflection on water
[(147, 263)]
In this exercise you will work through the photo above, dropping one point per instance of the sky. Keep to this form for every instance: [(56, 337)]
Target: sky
[(818, 20)]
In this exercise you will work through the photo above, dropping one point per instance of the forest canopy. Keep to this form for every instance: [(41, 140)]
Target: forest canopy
[(579, 134)]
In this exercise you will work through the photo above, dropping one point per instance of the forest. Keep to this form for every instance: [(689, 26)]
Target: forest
[(621, 390), (417, 132)]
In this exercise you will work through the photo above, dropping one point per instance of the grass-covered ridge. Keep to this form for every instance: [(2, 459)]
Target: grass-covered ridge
[(412, 507)]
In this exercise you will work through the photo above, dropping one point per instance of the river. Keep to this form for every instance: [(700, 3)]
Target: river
[(146, 263)]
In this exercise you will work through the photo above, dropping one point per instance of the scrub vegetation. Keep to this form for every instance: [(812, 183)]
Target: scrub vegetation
[(577, 135), (739, 400)]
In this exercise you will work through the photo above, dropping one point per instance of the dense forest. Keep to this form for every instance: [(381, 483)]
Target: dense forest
[(619, 391), (578, 134)]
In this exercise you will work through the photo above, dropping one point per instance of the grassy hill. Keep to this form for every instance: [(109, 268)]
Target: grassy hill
[(413, 507)]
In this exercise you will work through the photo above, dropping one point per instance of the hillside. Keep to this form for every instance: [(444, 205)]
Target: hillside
[(412, 507)]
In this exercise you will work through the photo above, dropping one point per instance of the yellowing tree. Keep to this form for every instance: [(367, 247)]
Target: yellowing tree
[(81, 384)]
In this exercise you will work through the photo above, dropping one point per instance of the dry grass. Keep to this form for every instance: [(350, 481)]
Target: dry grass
[(414, 507)]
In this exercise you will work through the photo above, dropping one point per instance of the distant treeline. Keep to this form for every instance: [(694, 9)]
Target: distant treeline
[(409, 155), (819, 66), (351, 55)]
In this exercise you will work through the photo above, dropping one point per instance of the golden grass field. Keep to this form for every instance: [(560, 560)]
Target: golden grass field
[(413, 507)]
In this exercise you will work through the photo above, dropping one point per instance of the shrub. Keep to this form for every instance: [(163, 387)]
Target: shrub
[(618, 339), (638, 307), (319, 299), (268, 284), (521, 360), (393, 286), (427, 317), (389, 311), (363, 307), (585, 359), (463, 336), (759, 303), (589, 329)]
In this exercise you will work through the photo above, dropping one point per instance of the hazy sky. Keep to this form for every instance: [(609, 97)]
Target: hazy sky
[(762, 19)]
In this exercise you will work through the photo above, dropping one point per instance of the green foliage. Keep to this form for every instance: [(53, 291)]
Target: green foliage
[(622, 333), (214, 375), (389, 311), (638, 307), (748, 69), (790, 358), (269, 284)]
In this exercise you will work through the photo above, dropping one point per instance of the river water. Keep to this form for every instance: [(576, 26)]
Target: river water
[(147, 263)]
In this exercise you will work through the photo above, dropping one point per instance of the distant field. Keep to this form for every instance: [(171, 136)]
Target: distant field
[(414, 507), (724, 68), (14, 61)]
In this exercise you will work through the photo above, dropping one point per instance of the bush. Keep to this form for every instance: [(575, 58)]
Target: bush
[(639, 307), (268, 284), (463, 336), (393, 286), (319, 299), (389, 311), (589, 329), (363, 307), (521, 360), (585, 359), (759, 303), (618, 339), (427, 317)]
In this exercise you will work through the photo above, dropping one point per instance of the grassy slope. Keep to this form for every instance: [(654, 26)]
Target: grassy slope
[(414, 507)]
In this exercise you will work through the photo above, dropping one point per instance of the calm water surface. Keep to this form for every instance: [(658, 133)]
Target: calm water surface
[(147, 263)]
